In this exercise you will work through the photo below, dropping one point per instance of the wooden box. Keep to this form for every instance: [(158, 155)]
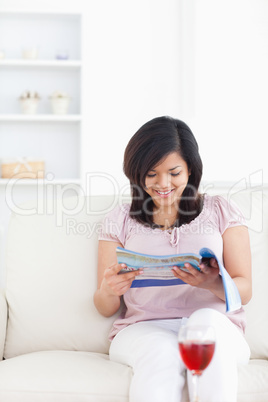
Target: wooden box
[(23, 168)]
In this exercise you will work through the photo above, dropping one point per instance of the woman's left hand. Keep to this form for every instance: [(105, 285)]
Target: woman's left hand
[(207, 278)]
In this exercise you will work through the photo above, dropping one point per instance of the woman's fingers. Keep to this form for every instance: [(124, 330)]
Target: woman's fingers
[(203, 278), (118, 282)]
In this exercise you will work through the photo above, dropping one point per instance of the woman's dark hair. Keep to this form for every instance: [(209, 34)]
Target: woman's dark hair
[(154, 141)]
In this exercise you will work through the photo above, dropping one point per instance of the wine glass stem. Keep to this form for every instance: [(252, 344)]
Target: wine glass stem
[(195, 379)]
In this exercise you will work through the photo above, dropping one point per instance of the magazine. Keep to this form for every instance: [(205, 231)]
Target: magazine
[(157, 271)]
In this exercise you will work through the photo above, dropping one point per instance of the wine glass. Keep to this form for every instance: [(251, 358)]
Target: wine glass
[(196, 345)]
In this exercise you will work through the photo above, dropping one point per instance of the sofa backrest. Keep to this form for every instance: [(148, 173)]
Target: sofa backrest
[(254, 205), (52, 275)]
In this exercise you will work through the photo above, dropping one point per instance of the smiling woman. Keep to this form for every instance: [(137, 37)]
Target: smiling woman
[(166, 187), (164, 170), (168, 179), (168, 215)]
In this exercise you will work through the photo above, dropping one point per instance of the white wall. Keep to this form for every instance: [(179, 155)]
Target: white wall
[(202, 61), (230, 102), (132, 75)]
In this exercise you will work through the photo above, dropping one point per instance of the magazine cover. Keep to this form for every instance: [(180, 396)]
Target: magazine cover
[(157, 271)]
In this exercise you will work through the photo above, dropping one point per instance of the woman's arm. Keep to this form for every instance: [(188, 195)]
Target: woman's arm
[(111, 285), (236, 260)]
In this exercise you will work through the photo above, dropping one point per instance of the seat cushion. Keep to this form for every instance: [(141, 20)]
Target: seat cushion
[(57, 376), (68, 376), (253, 381)]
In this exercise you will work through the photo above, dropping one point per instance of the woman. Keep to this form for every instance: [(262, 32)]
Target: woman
[(168, 215)]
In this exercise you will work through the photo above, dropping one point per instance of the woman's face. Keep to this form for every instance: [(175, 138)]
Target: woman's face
[(166, 182)]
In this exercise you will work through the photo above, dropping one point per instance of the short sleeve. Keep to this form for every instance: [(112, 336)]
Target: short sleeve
[(228, 214), (114, 225)]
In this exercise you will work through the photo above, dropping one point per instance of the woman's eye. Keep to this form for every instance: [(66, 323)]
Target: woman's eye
[(151, 175), (175, 174)]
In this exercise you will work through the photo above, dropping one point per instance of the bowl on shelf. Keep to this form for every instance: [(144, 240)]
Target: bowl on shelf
[(60, 102), (29, 101), (62, 54), (30, 53)]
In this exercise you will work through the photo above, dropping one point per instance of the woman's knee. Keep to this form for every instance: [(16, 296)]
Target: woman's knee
[(228, 337), (143, 342), (207, 316)]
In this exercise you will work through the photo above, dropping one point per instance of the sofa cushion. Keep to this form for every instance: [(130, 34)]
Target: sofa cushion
[(52, 276), (67, 376), (58, 376), (253, 381)]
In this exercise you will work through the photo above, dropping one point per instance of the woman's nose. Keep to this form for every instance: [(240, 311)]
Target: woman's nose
[(163, 181)]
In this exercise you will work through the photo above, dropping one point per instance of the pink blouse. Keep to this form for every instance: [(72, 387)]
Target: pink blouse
[(164, 302)]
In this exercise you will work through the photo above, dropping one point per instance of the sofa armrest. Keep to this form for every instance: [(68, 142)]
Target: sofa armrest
[(3, 322)]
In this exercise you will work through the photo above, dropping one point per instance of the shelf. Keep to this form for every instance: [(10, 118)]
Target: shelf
[(41, 63), (72, 118), (34, 182), (40, 13)]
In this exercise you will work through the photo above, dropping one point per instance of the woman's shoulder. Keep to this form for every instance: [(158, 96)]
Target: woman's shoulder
[(224, 211), (118, 213), (221, 202), (114, 226), (214, 201)]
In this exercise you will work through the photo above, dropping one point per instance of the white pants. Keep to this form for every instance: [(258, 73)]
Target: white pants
[(151, 349)]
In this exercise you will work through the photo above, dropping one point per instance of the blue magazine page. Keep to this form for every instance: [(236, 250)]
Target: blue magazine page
[(157, 271), (232, 296)]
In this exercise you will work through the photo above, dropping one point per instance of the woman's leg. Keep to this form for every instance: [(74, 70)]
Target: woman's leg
[(218, 383), (152, 352)]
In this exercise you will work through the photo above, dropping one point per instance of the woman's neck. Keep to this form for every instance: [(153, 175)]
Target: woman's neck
[(165, 218)]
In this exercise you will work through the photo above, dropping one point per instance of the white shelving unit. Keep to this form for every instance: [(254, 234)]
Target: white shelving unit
[(56, 139), (71, 118), (41, 63), (35, 182), (53, 138)]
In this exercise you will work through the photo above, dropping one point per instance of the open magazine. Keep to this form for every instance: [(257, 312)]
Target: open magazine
[(157, 271)]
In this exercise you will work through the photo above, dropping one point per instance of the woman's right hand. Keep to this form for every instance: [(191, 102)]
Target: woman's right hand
[(115, 284), (111, 284)]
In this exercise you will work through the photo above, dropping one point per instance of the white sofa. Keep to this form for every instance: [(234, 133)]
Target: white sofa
[(53, 342)]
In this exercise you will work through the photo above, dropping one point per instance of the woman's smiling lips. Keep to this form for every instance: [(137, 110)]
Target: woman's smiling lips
[(164, 194)]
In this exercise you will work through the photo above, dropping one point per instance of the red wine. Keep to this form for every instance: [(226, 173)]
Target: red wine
[(196, 355)]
